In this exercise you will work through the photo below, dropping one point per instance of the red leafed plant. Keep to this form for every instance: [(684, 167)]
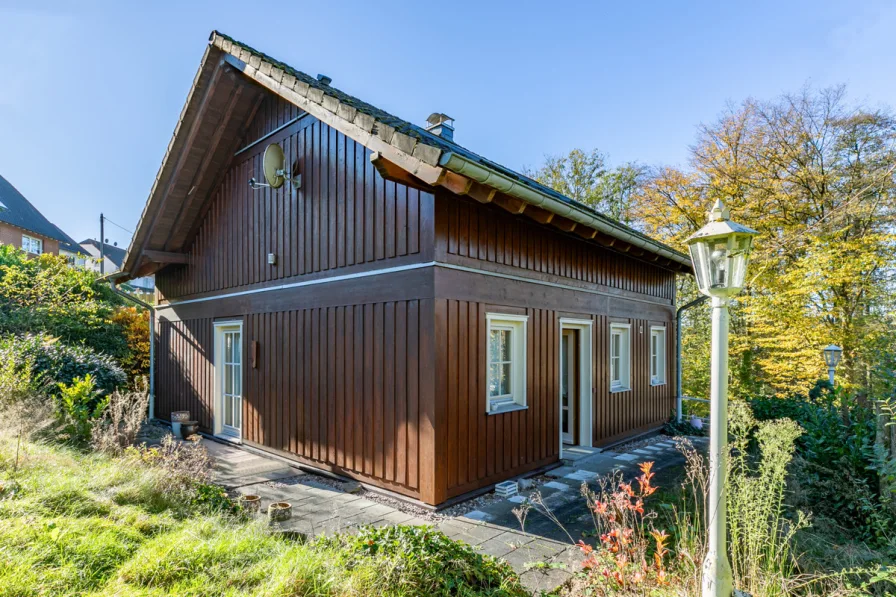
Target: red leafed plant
[(630, 552)]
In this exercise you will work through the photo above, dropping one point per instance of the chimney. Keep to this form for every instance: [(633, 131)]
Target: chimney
[(441, 125)]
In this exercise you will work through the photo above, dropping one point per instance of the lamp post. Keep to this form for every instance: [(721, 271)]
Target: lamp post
[(720, 252), (832, 354)]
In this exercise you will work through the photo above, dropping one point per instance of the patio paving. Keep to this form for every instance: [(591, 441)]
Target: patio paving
[(542, 552)]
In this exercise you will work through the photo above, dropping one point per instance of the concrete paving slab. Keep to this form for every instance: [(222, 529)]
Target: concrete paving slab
[(560, 472), (532, 553), (476, 515), (546, 580), (627, 457), (504, 543), (557, 485), (581, 475)]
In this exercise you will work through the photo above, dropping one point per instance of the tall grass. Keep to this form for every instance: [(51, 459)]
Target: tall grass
[(88, 523), (761, 530)]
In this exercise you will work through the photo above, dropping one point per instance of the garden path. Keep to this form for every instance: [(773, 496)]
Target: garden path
[(542, 553)]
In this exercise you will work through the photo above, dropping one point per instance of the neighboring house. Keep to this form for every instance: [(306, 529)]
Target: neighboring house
[(112, 256), (22, 226), (414, 316)]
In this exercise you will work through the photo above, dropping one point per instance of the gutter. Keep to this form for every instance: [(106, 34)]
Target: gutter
[(505, 184), (678, 397), (152, 340)]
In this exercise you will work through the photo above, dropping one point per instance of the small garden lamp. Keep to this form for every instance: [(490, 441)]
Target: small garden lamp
[(720, 252), (832, 354)]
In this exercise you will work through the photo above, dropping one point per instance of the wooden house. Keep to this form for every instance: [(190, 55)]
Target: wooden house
[(409, 314)]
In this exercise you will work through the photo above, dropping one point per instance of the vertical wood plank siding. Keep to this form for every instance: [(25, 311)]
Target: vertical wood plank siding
[(483, 448), (344, 215), (384, 378), (467, 230), (306, 398)]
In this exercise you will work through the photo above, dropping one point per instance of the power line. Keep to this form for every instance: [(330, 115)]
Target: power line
[(119, 225)]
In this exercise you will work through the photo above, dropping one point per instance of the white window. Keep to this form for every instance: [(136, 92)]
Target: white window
[(657, 355), (620, 357), (32, 245), (506, 361)]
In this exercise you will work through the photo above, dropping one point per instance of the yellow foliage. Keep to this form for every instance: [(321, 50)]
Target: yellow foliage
[(815, 177), (135, 324)]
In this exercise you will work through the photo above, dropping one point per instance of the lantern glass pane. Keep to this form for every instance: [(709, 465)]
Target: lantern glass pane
[(739, 258), (700, 259), (831, 357)]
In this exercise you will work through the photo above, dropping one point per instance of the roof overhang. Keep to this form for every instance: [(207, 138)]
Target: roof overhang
[(209, 128), (218, 109)]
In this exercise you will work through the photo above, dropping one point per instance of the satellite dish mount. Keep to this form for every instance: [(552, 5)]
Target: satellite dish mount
[(278, 169)]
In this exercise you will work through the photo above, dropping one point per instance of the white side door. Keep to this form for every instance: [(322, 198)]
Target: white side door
[(229, 380)]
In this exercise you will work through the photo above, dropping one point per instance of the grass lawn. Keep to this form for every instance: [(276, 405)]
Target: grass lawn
[(75, 523)]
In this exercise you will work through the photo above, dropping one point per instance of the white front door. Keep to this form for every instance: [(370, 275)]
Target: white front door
[(568, 366), (229, 372)]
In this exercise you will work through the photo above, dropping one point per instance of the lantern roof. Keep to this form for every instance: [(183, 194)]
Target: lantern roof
[(833, 348), (719, 224)]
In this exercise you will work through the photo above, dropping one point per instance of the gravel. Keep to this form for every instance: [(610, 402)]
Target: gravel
[(647, 441)]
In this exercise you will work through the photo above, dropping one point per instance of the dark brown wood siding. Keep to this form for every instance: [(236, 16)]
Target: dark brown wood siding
[(468, 232), (185, 369), (509, 264), (344, 216), (482, 448), (337, 387)]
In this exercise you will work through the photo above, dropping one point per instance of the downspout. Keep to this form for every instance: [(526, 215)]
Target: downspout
[(678, 398), (152, 343)]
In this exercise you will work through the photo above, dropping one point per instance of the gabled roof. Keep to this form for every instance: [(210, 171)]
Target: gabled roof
[(18, 211), (114, 253), (401, 151), (69, 243)]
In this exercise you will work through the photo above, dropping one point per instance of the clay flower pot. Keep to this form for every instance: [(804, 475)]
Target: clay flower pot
[(250, 503), (188, 428), (279, 511)]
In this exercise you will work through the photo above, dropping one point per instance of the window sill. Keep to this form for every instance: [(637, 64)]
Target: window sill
[(657, 383), (619, 390), (507, 409)]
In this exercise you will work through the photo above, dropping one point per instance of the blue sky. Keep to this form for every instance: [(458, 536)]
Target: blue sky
[(90, 91)]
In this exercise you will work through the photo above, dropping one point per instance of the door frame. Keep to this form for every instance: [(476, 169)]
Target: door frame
[(585, 328), (218, 362)]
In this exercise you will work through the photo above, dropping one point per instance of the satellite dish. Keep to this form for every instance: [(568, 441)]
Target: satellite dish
[(274, 171), (277, 170)]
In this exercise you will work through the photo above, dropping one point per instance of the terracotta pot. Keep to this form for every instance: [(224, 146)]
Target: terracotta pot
[(250, 503), (280, 511), (188, 428)]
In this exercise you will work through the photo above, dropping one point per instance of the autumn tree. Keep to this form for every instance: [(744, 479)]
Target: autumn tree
[(814, 175)]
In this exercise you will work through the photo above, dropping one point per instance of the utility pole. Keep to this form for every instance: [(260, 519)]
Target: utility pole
[(102, 245)]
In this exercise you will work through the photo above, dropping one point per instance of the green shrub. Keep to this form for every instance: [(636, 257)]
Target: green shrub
[(46, 295), (838, 467), (428, 561), (53, 362), (213, 499), (80, 404)]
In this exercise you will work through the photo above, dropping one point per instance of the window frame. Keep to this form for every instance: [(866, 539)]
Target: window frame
[(624, 384), (659, 378), (33, 239), (518, 327)]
